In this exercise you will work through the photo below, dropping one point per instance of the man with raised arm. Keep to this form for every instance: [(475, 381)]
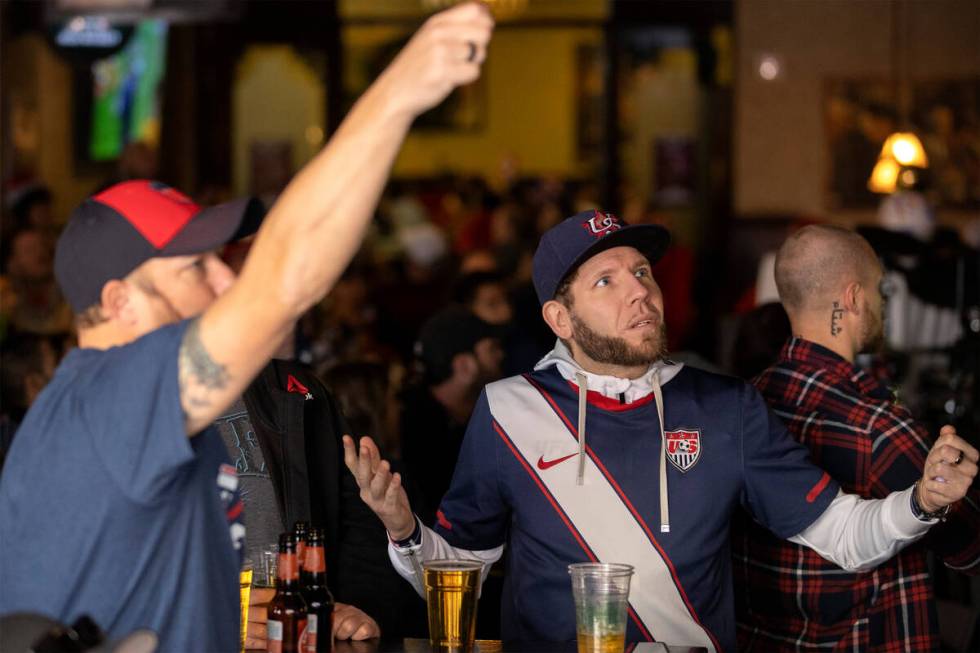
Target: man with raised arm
[(609, 451), (117, 499), (829, 281)]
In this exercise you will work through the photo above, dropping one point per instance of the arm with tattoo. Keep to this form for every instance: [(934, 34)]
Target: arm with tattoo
[(199, 376)]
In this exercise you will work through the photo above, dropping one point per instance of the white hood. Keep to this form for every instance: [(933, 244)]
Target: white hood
[(614, 387)]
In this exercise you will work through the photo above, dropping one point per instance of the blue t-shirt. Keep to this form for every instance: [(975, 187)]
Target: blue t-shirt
[(746, 458), (108, 508)]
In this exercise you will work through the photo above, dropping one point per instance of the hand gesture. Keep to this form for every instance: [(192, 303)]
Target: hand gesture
[(381, 490), (351, 623), (948, 472), (444, 53)]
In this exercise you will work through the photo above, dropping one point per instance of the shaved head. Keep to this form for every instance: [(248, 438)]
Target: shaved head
[(817, 262)]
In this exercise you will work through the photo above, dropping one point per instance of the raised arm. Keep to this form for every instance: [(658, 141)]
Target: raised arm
[(318, 223)]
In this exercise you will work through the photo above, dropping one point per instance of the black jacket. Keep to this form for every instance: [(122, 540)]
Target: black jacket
[(300, 437)]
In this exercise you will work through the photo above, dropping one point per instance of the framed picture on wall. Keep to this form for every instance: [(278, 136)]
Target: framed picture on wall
[(859, 114)]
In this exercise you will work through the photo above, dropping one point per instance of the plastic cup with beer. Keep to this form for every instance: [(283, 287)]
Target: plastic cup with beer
[(601, 591), (451, 590)]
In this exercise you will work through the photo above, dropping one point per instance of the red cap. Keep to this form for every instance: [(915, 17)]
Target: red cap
[(114, 232)]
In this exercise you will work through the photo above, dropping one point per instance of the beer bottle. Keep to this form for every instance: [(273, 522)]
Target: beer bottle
[(319, 601), (300, 530), (287, 610)]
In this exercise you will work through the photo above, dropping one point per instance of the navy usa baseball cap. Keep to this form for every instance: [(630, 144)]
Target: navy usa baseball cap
[(574, 240), (115, 231)]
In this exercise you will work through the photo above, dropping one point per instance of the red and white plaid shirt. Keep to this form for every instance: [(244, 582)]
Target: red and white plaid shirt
[(787, 597)]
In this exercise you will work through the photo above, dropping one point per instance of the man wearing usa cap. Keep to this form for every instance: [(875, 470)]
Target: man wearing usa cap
[(608, 451), (117, 499)]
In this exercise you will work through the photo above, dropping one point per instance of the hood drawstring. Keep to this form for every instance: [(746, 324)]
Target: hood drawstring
[(628, 390), (583, 389), (664, 509)]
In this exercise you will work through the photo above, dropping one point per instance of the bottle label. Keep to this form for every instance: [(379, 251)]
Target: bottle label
[(288, 566), (316, 560), (275, 636), (303, 636), (308, 641)]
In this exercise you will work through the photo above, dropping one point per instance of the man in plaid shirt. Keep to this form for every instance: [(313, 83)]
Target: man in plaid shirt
[(788, 598)]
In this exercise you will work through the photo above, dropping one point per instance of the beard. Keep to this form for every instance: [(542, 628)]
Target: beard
[(872, 331), (612, 350)]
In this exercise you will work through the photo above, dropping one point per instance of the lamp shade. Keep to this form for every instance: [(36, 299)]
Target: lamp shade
[(906, 149), (884, 177)]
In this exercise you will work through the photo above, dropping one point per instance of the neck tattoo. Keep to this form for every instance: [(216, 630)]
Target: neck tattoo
[(835, 315)]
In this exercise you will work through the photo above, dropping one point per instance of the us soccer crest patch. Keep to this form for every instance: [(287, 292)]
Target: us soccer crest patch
[(683, 448)]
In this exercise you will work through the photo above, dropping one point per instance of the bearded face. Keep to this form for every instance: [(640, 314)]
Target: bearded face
[(612, 350), (872, 329)]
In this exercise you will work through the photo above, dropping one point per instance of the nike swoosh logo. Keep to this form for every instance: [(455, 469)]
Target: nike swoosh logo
[(543, 464)]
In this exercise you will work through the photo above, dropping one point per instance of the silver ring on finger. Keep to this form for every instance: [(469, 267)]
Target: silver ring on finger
[(959, 459), (471, 56)]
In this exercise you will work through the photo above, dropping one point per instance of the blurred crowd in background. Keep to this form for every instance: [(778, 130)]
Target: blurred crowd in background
[(469, 241)]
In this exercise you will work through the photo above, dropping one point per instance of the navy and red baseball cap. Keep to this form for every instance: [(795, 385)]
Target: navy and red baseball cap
[(115, 231), (574, 240)]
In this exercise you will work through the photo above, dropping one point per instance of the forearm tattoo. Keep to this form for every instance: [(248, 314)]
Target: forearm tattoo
[(835, 315), (198, 373)]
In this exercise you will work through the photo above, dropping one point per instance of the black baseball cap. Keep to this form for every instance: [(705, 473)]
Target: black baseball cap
[(574, 240), (453, 330), (115, 231)]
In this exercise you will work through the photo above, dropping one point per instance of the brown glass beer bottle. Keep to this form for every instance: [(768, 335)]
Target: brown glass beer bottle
[(287, 610), (319, 601)]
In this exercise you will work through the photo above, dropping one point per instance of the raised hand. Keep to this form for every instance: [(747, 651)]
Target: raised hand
[(948, 472), (444, 53), (381, 489)]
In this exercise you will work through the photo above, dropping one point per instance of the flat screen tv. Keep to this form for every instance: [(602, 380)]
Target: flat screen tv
[(125, 103)]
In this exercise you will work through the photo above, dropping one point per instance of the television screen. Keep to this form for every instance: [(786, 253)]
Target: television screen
[(126, 92)]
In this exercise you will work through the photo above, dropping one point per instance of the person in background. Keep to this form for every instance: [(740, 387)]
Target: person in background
[(828, 280), (285, 439), (485, 295), (367, 393), (759, 338), (29, 204), (31, 300), (118, 449), (459, 353)]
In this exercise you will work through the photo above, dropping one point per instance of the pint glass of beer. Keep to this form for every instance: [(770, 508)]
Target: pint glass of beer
[(451, 588), (601, 591), (244, 594)]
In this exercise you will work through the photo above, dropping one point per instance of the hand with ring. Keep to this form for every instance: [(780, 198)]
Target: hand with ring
[(948, 472)]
